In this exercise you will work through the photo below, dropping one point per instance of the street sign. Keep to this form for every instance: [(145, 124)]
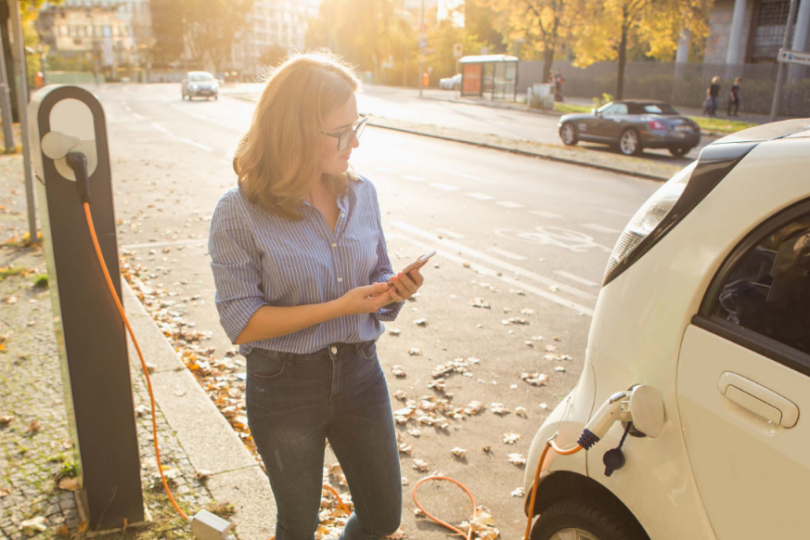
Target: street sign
[(422, 42), (458, 50), (794, 57)]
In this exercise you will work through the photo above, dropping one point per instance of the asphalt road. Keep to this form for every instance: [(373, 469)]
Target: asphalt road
[(518, 232)]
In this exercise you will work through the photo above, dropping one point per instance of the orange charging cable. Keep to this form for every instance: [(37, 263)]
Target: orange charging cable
[(146, 371)]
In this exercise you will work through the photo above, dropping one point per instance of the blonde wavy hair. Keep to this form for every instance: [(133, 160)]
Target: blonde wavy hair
[(276, 161)]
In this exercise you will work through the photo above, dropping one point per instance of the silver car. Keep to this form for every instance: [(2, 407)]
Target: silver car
[(200, 84)]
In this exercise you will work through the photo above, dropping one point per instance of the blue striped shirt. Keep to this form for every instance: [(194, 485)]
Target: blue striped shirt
[(260, 259)]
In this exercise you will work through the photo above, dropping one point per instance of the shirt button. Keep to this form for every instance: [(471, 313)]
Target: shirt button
[(342, 215), (334, 349), (334, 245), (340, 280)]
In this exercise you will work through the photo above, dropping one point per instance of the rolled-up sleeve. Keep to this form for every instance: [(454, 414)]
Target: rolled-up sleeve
[(383, 271), (235, 264)]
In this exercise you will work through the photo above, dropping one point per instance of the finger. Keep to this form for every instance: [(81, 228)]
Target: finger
[(400, 288), (395, 296), (417, 278), (410, 286), (374, 289)]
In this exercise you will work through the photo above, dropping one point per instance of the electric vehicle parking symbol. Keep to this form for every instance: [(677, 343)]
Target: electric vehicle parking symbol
[(574, 241)]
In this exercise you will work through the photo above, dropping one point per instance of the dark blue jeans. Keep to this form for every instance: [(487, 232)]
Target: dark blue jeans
[(296, 402)]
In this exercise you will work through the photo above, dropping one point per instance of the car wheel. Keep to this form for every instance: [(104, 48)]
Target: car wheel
[(568, 134), (584, 519), (679, 151), (216, 97), (630, 142)]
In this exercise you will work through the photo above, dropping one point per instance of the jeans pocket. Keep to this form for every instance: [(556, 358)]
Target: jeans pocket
[(264, 364), (368, 351)]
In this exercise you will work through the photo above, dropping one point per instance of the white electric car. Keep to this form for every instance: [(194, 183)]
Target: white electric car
[(706, 299)]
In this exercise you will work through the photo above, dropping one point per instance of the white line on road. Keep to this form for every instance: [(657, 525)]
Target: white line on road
[(510, 204), (445, 187), (181, 139), (459, 174), (574, 277), (451, 234), (507, 254), (600, 228), (479, 196), (138, 116), (455, 246), (411, 178), (543, 213), (618, 212), (493, 274)]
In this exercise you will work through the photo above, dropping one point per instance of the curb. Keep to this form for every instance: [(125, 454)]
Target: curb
[(204, 434), (529, 154)]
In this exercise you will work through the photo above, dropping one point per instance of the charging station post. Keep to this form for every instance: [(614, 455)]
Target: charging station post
[(90, 334)]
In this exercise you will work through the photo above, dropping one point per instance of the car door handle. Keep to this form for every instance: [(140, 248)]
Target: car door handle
[(758, 399)]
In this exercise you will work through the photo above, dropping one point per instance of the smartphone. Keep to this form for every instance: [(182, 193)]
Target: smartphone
[(415, 265)]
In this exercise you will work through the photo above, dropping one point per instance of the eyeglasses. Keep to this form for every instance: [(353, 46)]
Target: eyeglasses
[(345, 137)]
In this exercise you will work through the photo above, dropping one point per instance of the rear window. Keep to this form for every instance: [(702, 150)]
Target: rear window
[(201, 77)]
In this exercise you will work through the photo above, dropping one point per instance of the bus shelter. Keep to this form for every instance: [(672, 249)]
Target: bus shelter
[(493, 76)]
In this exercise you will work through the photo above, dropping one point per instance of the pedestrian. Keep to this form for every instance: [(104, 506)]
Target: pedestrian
[(734, 98), (712, 97), (301, 270), (558, 82)]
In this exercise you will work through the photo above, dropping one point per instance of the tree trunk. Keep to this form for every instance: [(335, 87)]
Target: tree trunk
[(548, 60), (622, 63)]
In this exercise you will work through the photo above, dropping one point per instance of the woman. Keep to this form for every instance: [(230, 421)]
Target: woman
[(300, 268), (712, 97)]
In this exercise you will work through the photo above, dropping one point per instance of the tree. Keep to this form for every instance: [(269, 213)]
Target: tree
[(273, 55), (211, 26), (609, 27), (543, 24), (168, 30)]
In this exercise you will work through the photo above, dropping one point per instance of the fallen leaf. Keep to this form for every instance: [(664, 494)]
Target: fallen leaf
[(511, 437), (519, 492), (517, 459), (420, 465), (458, 452)]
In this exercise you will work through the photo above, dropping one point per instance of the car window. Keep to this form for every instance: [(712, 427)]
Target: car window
[(198, 77), (768, 292), (659, 108), (616, 108)]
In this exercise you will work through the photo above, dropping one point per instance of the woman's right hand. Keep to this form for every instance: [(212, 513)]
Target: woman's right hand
[(364, 299)]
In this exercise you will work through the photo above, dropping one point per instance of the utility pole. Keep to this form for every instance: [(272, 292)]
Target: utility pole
[(5, 105), (22, 106), (780, 73)]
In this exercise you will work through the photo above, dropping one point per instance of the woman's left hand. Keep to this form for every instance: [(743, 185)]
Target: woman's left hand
[(405, 285)]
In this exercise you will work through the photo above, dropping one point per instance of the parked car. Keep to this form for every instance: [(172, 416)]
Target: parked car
[(200, 84), (706, 298), (632, 126), (451, 83)]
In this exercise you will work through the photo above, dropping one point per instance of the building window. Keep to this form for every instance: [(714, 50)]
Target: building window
[(769, 30)]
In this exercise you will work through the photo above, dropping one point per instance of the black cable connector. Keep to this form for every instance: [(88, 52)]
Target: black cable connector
[(77, 161), (587, 439)]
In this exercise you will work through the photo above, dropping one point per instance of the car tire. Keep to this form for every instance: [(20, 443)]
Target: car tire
[(679, 151), (630, 142), (586, 519), (216, 97), (569, 134)]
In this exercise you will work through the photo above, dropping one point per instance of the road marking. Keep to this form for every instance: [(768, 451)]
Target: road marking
[(181, 139), (451, 234), (600, 228), (507, 254), (164, 244), (617, 212), (138, 116), (445, 187), (493, 274), (411, 178), (574, 277), (492, 260), (479, 196), (459, 174), (510, 204), (543, 213)]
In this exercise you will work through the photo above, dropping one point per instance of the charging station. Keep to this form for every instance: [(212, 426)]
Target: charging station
[(65, 123)]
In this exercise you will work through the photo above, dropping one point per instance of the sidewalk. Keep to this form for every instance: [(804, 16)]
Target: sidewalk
[(37, 497)]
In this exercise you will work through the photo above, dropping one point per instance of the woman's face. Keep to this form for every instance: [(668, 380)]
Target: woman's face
[(332, 160)]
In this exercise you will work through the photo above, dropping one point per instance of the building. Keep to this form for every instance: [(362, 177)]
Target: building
[(99, 33), (752, 31), (273, 23)]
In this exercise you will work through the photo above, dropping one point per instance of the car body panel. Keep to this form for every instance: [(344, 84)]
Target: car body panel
[(608, 125), (643, 345)]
